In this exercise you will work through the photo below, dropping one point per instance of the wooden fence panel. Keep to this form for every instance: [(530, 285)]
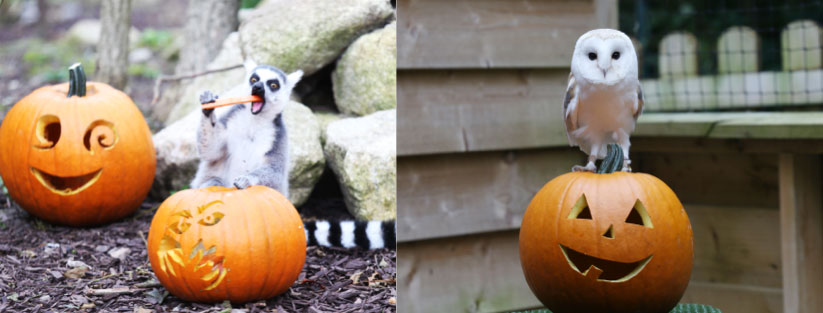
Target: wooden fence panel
[(495, 33), (451, 195), (461, 111)]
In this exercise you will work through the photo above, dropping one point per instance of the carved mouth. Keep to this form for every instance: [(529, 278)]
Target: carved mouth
[(603, 270), (66, 186)]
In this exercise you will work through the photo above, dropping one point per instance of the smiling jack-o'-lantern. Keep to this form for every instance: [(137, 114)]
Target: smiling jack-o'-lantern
[(80, 160), (217, 243), (610, 242)]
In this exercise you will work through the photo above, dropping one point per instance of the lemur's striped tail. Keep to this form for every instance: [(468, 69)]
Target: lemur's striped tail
[(351, 234)]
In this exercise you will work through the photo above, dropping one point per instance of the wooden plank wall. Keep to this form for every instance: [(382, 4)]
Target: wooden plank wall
[(480, 84)]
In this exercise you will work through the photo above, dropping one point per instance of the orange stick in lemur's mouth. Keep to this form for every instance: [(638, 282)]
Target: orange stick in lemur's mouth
[(231, 101)]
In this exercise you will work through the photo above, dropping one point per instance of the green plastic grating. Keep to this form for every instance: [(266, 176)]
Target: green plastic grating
[(680, 308)]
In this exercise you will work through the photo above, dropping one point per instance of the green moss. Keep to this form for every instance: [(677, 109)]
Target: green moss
[(155, 39)]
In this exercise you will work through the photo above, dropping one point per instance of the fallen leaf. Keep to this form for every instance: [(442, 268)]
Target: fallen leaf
[(383, 263), (51, 248), (76, 272), (73, 263), (140, 309), (393, 301), (356, 278), (28, 254), (44, 298), (157, 296), (87, 306), (119, 253)]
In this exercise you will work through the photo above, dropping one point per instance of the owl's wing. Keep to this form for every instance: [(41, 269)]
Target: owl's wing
[(570, 109), (638, 108)]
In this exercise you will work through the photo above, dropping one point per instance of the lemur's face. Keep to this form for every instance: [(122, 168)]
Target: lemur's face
[(274, 86)]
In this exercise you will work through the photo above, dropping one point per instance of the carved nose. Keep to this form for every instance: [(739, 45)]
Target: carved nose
[(609, 232)]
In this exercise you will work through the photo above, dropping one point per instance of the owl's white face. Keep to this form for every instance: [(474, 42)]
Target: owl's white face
[(604, 56)]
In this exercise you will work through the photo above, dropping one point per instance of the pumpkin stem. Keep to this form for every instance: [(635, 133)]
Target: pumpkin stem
[(77, 80), (613, 161)]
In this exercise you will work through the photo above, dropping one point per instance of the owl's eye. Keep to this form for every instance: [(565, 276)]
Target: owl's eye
[(616, 55), (592, 56)]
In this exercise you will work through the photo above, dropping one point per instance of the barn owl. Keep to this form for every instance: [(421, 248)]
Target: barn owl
[(603, 97)]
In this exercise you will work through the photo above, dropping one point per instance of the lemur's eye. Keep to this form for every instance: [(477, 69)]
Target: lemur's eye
[(592, 56), (616, 55), (253, 80), (273, 86)]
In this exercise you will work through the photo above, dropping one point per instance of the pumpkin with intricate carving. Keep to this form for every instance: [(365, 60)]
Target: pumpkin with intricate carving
[(606, 242), (77, 153), (218, 243)]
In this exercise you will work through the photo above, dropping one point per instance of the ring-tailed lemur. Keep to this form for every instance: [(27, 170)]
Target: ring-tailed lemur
[(246, 144)]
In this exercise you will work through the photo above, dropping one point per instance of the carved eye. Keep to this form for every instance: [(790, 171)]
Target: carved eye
[(253, 79), (102, 133), (580, 210), (592, 56), (616, 55), (639, 215), (212, 219), (48, 132)]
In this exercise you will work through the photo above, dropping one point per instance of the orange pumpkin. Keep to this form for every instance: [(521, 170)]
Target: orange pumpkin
[(614, 242), (85, 159), (217, 243)]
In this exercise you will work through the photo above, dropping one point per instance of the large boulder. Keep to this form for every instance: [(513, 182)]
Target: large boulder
[(290, 35), (326, 118), (306, 160), (87, 33), (177, 159), (362, 153), (365, 80), (229, 55), (308, 34)]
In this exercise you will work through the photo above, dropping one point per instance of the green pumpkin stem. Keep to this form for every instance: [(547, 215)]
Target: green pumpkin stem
[(77, 81), (613, 161)]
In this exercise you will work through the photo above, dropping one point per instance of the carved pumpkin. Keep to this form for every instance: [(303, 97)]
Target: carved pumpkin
[(85, 159), (613, 242), (217, 243)]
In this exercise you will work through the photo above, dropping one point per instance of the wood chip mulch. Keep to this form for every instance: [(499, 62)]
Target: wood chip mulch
[(47, 268)]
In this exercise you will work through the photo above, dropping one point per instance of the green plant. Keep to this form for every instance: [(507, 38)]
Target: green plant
[(155, 39), (249, 4)]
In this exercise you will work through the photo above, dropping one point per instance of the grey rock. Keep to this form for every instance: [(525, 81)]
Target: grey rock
[(317, 31), (365, 80), (230, 55), (362, 153)]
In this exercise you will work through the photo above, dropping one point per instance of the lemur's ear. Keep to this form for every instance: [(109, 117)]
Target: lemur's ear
[(249, 65), (294, 77)]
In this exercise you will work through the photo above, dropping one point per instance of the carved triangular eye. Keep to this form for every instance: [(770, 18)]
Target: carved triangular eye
[(581, 209), (639, 215)]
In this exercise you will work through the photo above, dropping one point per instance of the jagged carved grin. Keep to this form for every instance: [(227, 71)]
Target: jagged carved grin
[(66, 186), (600, 269)]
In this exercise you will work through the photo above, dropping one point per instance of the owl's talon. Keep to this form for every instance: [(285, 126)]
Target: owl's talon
[(588, 168)]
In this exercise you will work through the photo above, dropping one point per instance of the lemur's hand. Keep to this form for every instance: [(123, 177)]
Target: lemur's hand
[(207, 97), (245, 181)]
